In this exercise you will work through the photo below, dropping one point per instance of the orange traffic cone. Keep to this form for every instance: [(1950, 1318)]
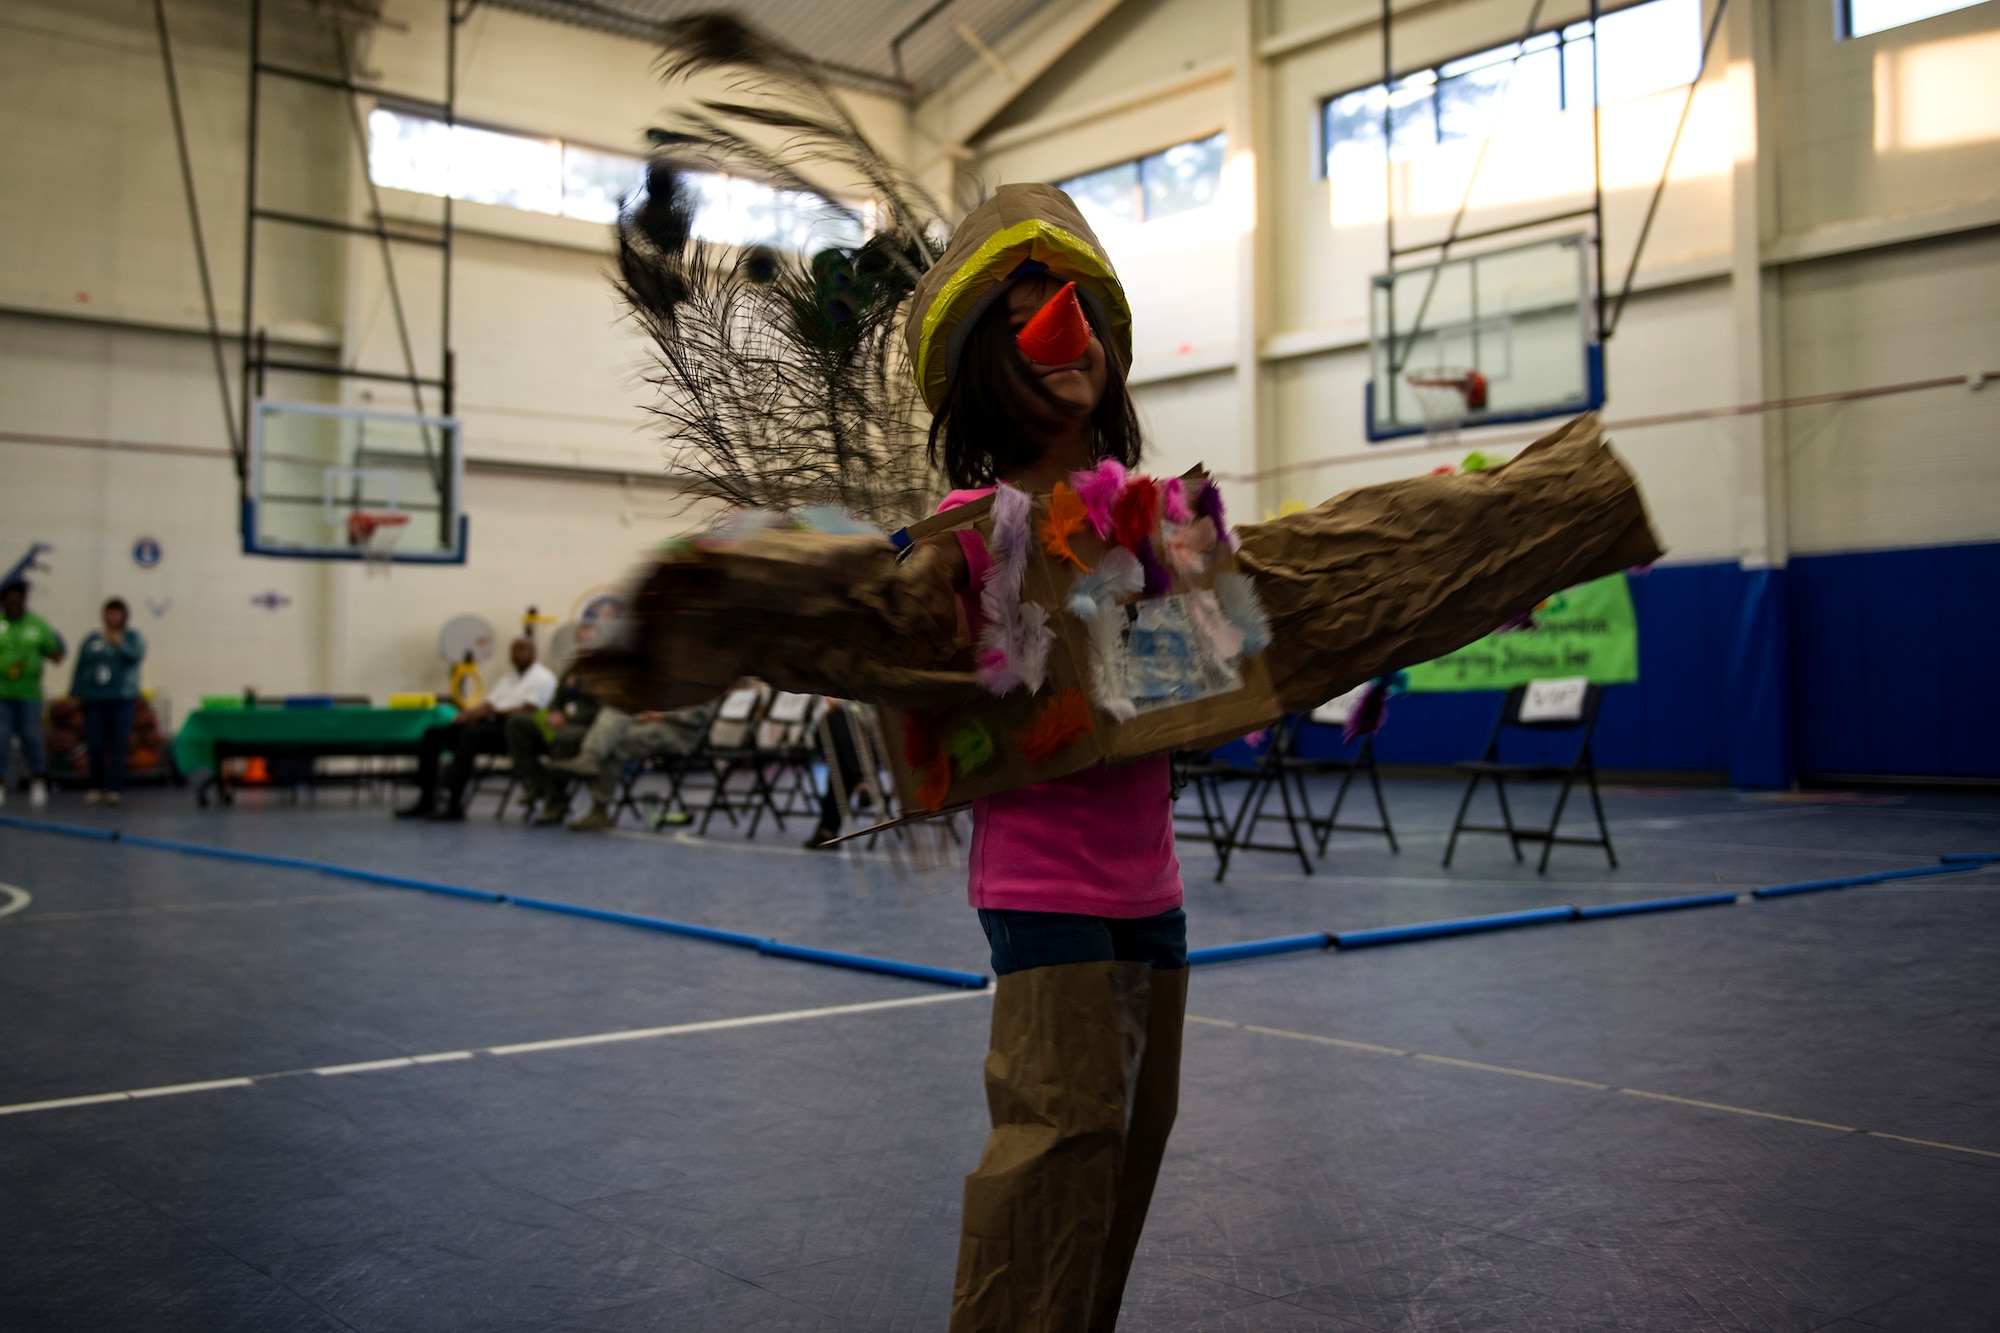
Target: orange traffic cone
[(255, 772)]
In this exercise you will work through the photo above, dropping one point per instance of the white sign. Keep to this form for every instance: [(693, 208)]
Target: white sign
[(1554, 700)]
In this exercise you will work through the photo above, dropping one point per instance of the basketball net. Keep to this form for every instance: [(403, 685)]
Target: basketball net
[(1447, 395), (374, 533)]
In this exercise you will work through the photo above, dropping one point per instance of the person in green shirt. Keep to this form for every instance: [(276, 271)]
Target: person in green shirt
[(106, 683), (26, 641)]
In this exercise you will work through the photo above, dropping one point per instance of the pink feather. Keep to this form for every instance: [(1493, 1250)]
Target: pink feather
[(1174, 501), (1097, 488), (1189, 545)]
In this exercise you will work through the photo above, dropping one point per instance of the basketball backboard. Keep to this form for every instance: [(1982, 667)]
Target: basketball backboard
[(1518, 317), (323, 477)]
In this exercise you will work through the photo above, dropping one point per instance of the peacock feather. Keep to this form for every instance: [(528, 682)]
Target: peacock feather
[(784, 381)]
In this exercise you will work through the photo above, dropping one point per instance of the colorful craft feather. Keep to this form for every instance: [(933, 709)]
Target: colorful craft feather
[(1174, 501), (1062, 722), (936, 784), (1015, 641), (919, 740), (1098, 488), (1135, 513), (971, 748), (1208, 504), (1116, 577), (1225, 638), (1365, 718), (1238, 597), (1189, 545), (1157, 578), (1064, 520)]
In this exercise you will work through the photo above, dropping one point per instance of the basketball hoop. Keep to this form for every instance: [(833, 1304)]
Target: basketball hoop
[(375, 532), (1447, 396)]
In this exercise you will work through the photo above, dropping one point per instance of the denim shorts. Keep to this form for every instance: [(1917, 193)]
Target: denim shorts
[(1021, 940)]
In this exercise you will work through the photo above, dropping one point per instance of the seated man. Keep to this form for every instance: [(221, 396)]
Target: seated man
[(559, 732), (617, 739), (480, 729)]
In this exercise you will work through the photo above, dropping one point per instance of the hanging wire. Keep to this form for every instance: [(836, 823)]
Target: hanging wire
[(375, 217), (1465, 199), (1653, 205), (200, 242)]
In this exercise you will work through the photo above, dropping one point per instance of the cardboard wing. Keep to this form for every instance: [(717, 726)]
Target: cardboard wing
[(1179, 689)]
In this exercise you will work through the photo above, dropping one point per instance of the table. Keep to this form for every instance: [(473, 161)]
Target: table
[(211, 735)]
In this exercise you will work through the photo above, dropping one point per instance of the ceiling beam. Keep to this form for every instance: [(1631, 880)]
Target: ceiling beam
[(956, 114)]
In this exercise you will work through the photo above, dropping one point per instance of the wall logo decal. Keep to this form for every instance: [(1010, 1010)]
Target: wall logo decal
[(159, 606), (146, 552), (271, 600)]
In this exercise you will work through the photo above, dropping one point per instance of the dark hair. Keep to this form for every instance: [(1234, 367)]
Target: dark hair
[(118, 602), (976, 434), (14, 585)]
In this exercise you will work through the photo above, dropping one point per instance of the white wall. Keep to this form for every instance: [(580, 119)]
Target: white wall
[(101, 320), (1890, 141)]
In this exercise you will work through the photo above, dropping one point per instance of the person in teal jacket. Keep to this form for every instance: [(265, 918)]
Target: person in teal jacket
[(26, 641), (107, 685)]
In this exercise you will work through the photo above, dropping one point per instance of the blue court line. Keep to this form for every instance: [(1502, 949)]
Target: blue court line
[(890, 967), (1537, 916)]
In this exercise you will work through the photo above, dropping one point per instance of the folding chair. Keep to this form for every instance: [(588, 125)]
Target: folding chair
[(788, 739), (732, 749), (1334, 713), (487, 768), (677, 768), (1230, 834), (1568, 704)]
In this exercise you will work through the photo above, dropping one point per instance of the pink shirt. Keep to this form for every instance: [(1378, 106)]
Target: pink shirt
[(1095, 843)]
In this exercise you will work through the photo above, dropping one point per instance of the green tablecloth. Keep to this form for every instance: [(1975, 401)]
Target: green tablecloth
[(194, 747)]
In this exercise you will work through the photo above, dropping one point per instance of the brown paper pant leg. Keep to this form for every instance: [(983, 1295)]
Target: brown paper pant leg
[(1155, 1101), (1039, 1206)]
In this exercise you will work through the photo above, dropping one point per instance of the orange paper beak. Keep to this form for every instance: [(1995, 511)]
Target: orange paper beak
[(1058, 333)]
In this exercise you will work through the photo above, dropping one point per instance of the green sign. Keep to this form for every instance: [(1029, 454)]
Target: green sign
[(1587, 631)]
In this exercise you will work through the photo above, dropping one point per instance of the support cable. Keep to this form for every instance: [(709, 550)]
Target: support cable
[(1472, 178), (382, 240), (200, 242), (1653, 205)]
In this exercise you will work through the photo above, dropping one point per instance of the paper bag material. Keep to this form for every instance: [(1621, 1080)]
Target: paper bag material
[(1201, 723), (1369, 582), (1385, 576), (808, 612)]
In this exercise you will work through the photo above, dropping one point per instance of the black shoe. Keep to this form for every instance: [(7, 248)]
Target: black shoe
[(421, 810), (820, 838), (451, 814)]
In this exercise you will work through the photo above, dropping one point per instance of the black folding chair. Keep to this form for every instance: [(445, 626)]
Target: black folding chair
[(1231, 833), (731, 750), (1361, 762), (788, 739), (1544, 706)]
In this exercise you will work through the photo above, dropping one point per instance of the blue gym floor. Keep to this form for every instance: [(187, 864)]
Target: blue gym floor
[(1778, 1115)]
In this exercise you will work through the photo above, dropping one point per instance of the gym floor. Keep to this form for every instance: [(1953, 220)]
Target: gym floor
[(1782, 1114)]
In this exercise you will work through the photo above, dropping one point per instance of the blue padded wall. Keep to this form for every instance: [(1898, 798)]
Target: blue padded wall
[(1876, 662), (1894, 657)]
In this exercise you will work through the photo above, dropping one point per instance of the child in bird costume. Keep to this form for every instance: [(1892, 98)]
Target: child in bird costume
[(794, 384), (1020, 337)]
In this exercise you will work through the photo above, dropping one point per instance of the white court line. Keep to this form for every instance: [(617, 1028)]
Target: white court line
[(1372, 1049), (723, 1024), (17, 898), (516, 1048)]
